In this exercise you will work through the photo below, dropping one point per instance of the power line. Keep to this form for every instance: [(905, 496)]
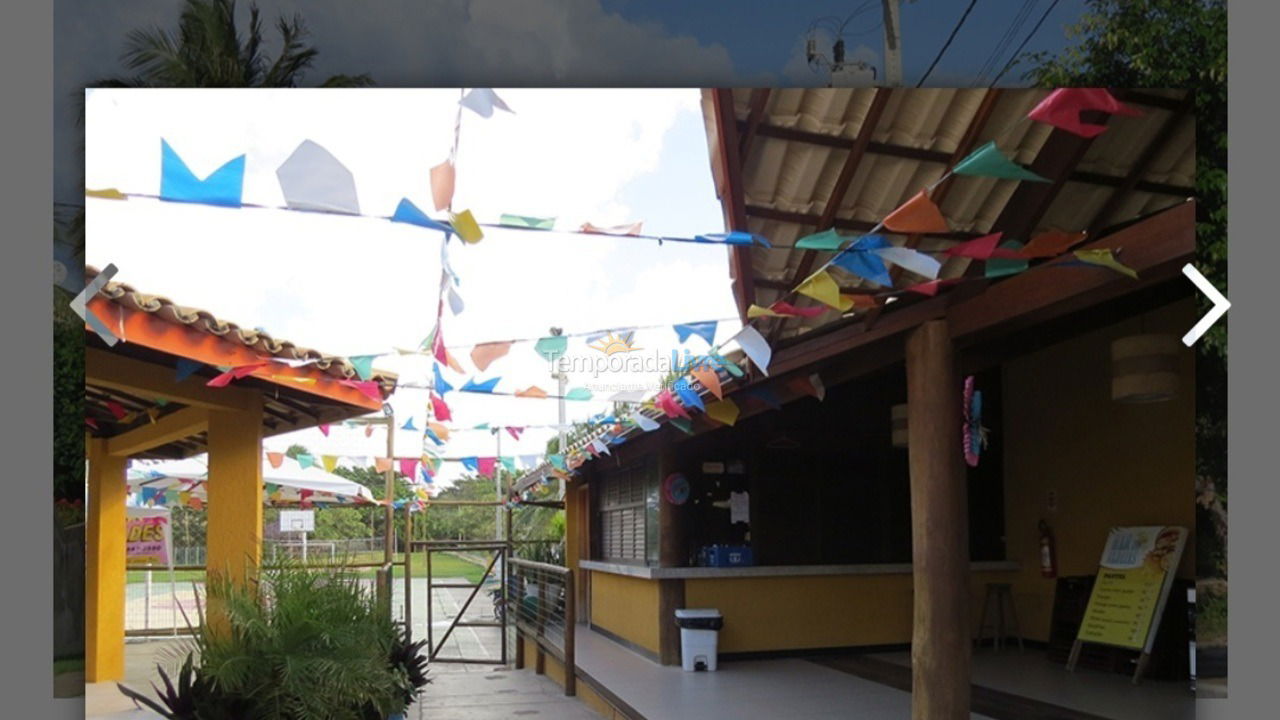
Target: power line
[(1014, 57), (1018, 20), (947, 44)]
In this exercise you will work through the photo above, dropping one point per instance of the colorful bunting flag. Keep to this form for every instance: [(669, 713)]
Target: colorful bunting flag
[(368, 431), (324, 429), (464, 223), (918, 215), (106, 194), (686, 426), (600, 447), (431, 435), (369, 388), (910, 260), (704, 330), (1052, 243), (482, 101), (440, 384), (645, 423), (456, 306), (185, 368), (825, 240), (525, 221), (689, 396), (313, 179), (1105, 257), (765, 395), (117, 410), (408, 425), (508, 463), (408, 466), (382, 464), (931, 288), (551, 347), (667, 404), (533, 391), (329, 461), (439, 409), (725, 363), (811, 385), (859, 260), (557, 461), (978, 249), (439, 430), (223, 186), (442, 181), (755, 346), (305, 460), (724, 411), (709, 379), (481, 387), (1001, 266), (235, 373), (485, 466), (736, 237), (484, 354), (822, 287), (407, 212), (782, 307), (1062, 108), (988, 161), (578, 393), (627, 229), (514, 432)]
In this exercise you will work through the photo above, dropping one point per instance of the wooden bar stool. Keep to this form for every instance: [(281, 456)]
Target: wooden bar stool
[(1000, 594)]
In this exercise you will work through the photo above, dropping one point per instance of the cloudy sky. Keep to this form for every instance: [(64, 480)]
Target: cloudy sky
[(360, 285)]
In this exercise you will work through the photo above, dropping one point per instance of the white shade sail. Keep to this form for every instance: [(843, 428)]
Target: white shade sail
[(191, 474)]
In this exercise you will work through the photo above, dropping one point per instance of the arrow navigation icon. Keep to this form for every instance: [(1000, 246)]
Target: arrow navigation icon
[(1220, 305)]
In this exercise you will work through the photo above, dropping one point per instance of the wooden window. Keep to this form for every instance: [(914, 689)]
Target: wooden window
[(625, 495)]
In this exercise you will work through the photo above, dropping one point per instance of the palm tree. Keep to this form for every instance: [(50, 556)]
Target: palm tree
[(208, 50)]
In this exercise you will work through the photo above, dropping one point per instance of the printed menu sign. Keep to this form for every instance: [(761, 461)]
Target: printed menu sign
[(147, 536), (1137, 570)]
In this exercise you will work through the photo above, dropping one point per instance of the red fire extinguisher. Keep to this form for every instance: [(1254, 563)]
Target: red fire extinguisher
[(1048, 552)]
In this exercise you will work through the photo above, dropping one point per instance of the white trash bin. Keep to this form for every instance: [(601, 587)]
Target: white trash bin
[(699, 631)]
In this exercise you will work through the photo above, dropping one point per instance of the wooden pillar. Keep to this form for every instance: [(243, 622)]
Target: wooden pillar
[(940, 645), (234, 538), (105, 565)]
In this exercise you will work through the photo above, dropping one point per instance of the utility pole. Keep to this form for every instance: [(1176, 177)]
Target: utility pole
[(892, 44), (563, 380)]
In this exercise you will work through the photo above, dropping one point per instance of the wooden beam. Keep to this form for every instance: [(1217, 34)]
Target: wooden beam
[(1140, 167), (117, 372), (759, 99), (174, 426), (731, 196), (940, 644), (851, 162)]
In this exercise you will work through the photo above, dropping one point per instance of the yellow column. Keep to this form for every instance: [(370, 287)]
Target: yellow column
[(105, 565), (234, 536)]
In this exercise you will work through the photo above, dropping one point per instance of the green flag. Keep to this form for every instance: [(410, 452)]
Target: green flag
[(988, 161)]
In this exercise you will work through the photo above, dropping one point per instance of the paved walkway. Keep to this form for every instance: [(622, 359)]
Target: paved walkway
[(497, 695)]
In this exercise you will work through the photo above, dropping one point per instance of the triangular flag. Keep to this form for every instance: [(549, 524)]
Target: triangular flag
[(324, 429), (305, 461), (557, 460), (988, 161), (704, 330), (235, 373), (223, 186), (528, 462), (408, 466), (1000, 266), (185, 368), (917, 215), (755, 346), (551, 347), (578, 393), (810, 385), (910, 260), (441, 386), (628, 229), (275, 458), (482, 101), (442, 180), (106, 194), (735, 237), (483, 387), (508, 463), (782, 307), (533, 391), (197, 503), (313, 179), (456, 306), (452, 362), (369, 388), (408, 425), (1105, 258), (709, 379), (438, 430), (525, 221), (667, 404), (117, 409), (819, 390), (431, 435), (689, 396), (931, 288), (407, 212), (645, 423), (725, 363), (329, 461), (1052, 243), (368, 431), (825, 240), (437, 346), (486, 465), (514, 431), (859, 260), (979, 248), (484, 354), (1062, 108), (724, 411), (686, 426), (600, 448), (756, 311), (382, 464), (822, 287), (439, 409), (464, 223)]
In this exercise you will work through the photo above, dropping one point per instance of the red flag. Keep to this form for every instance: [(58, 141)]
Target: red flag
[(783, 307), (437, 346), (1063, 106), (979, 248), (324, 428), (515, 431), (234, 373), (668, 405), (485, 465), (439, 408), (931, 288), (369, 388), (407, 466), (116, 409)]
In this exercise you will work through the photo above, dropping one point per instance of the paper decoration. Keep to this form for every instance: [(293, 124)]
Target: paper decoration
[(689, 396), (508, 463), (917, 215), (1052, 243), (456, 305), (235, 373), (988, 161), (482, 101), (735, 237), (329, 461), (579, 393), (369, 388), (324, 429), (556, 460), (514, 432), (382, 464), (755, 346), (645, 423), (481, 387), (704, 330), (999, 267), (408, 466), (439, 430), (117, 410), (709, 379), (910, 260), (304, 460), (859, 260), (667, 404), (464, 223), (452, 362), (978, 249), (436, 343), (552, 347), (407, 212), (485, 465), (484, 354), (1105, 258), (408, 425), (726, 364), (931, 288), (1062, 109), (363, 365), (441, 386), (686, 426), (439, 409), (313, 179), (599, 447), (525, 221), (810, 385), (368, 431), (627, 229), (275, 458), (431, 435), (822, 287), (825, 240), (533, 391), (106, 194), (442, 180), (185, 368), (974, 434), (223, 186), (724, 411), (529, 462)]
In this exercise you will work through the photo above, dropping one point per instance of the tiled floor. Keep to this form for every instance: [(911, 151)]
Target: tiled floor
[(493, 695)]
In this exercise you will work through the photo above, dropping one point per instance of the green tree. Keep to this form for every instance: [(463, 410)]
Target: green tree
[(1175, 44)]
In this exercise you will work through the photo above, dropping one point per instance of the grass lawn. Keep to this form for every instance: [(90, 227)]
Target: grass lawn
[(442, 564)]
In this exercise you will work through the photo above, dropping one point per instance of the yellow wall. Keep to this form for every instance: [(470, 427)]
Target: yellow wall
[(793, 613), (1109, 463), (627, 607)]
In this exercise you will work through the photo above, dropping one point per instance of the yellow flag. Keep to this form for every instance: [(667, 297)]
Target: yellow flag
[(725, 411), (330, 462), (1106, 258), (464, 223), (106, 194), (184, 498), (756, 311), (822, 287)]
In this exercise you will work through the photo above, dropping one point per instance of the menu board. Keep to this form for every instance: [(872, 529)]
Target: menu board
[(147, 536), (1137, 570)]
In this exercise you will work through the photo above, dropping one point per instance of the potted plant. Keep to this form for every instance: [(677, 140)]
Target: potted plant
[(294, 643)]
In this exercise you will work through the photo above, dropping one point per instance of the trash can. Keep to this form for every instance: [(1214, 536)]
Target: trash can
[(699, 630)]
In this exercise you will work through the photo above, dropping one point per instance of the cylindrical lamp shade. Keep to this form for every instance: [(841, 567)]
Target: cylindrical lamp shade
[(898, 415), (1144, 368)]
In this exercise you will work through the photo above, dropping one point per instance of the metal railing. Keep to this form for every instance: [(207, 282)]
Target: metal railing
[(542, 598)]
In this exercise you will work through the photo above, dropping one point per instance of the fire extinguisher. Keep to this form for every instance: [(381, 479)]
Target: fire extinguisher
[(1048, 552)]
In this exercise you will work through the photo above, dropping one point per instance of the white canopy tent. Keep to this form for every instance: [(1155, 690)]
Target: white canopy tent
[(191, 474)]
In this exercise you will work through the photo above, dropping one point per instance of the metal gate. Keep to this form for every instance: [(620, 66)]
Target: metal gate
[(495, 569)]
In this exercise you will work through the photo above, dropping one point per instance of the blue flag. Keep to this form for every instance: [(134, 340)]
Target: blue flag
[(484, 387), (704, 330), (442, 387), (223, 186), (407, 212)]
